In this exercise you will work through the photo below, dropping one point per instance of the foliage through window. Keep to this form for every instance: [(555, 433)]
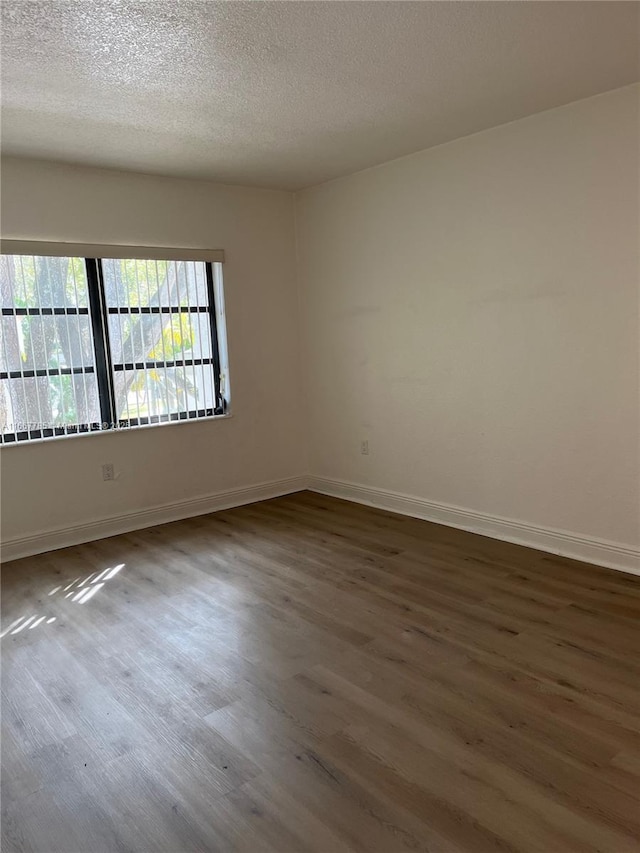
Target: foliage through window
[(91, 344)]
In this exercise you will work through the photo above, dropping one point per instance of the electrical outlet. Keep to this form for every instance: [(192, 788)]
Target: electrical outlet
[(364, 447), (108, 472)]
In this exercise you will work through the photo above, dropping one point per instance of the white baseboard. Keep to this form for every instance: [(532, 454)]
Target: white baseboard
[(602, 552), (51, 540), (588, 549)]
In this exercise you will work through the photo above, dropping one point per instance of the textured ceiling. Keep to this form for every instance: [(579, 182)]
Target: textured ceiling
[(288, 94)]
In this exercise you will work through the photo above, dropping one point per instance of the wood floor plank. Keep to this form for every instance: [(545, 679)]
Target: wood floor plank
[(307, 674)]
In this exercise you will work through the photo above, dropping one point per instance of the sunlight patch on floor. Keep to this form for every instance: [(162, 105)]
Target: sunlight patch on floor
[(82, 593)]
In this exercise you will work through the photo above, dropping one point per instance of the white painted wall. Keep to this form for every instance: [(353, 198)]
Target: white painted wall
[(54, 484), (472, 311)]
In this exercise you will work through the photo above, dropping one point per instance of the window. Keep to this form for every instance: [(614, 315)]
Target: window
[(109, 342)]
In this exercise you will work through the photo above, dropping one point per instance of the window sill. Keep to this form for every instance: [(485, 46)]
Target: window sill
[(121, 431)]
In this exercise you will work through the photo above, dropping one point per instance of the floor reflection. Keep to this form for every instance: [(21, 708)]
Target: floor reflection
[(79, 591)]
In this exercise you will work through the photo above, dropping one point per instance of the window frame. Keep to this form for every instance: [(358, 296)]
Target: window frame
[(104, 367)]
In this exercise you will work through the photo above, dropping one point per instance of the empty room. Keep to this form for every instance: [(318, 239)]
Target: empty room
[(320, 426)]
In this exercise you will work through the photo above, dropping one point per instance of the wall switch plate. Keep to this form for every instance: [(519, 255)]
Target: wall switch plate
[(364, 447), (108, 472)]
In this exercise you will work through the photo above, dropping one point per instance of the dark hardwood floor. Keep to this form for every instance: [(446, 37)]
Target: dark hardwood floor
[(307, 674)]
